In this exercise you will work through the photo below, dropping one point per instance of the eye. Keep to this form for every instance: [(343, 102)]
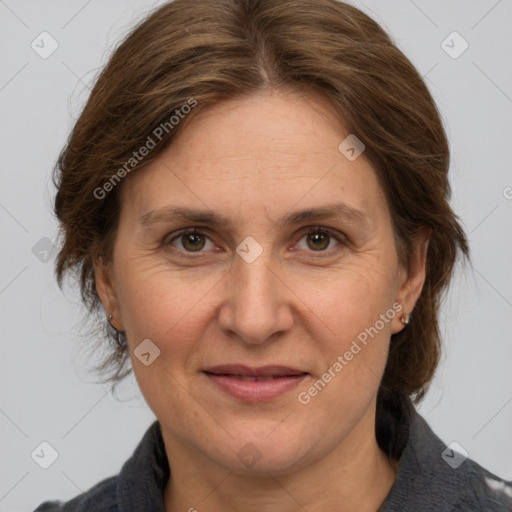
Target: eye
[(190, 240), (319, 239), (193, 240)]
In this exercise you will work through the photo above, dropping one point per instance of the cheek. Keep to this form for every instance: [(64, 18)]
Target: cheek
[(346, 302), (354, 315), (155, 300), (167, 309), (171, 311), (173, 308)]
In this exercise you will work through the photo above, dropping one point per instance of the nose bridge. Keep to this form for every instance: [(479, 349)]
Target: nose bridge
[(255, 307), (255, 282)]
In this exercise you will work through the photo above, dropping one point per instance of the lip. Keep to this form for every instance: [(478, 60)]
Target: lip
[(243, 382)]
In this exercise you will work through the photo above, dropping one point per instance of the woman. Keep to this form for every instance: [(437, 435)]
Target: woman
[(255, 199)]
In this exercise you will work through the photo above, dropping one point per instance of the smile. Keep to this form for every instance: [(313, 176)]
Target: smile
[(255, 384)]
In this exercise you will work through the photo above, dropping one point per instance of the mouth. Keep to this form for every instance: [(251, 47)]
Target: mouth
[(260, 384)]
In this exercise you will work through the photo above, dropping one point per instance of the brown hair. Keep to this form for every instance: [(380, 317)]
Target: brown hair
[(203, 51)]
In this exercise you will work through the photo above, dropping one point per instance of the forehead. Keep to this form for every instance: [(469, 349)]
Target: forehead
[(268, 151)]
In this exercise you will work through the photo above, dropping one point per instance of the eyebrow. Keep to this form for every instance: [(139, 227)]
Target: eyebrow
[(340, 211)]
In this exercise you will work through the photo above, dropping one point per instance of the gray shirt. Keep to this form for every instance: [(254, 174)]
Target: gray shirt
[(431, 478)]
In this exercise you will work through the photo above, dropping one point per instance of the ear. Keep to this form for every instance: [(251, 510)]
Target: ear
[(106, 291), (411, 282)]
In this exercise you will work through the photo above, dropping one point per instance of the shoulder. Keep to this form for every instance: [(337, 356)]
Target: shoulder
[(100, 498), (483, 490), (435, 477), (138, 486), (459, 480)]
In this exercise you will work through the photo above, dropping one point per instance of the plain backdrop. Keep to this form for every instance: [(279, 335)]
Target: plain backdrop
[(47, 391)]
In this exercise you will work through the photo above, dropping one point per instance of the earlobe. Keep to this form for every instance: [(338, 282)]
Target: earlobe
[(412, 281), (106, 292)]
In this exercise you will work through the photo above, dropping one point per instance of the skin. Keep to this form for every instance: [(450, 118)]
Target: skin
[(254, 160)]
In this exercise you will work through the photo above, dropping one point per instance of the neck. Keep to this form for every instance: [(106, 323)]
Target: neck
[(356, 476)]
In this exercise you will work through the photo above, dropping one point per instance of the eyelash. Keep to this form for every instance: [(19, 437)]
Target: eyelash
[(309, 230)]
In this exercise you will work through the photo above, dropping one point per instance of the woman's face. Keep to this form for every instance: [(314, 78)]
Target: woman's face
[(255, 289)]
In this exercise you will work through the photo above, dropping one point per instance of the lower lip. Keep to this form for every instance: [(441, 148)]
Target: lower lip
[(255, 390)]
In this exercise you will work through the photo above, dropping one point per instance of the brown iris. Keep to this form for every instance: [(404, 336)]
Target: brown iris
[(320, 241), (193, 242)]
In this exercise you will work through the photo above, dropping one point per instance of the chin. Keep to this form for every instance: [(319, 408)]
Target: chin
[(265, 450), (253, 461)]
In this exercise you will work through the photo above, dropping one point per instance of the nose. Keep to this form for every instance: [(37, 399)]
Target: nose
[(257, 304)]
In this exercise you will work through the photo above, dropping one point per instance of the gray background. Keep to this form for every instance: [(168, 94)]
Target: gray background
[(47, 392)]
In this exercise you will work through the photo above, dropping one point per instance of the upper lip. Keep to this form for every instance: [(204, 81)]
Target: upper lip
[(260, 371)]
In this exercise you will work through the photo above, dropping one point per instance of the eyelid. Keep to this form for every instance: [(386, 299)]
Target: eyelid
[(328, 231), (183, 232)]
